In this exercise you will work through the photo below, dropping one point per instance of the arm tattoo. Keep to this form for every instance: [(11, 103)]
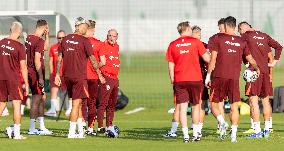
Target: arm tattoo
[(58, 63), (95, 65)]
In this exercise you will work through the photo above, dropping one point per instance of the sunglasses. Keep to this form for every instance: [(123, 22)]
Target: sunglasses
[(60, 38)]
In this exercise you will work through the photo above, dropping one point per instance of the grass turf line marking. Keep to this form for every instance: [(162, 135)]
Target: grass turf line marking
[(135, 110)]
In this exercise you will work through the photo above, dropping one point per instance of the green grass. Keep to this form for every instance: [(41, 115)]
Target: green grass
[(144, 79)]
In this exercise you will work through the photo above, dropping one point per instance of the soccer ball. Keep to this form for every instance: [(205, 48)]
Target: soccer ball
[(250, 76), (113, 131)]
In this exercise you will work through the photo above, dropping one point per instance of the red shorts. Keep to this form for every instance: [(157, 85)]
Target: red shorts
[(52, 82), (11, 90), (34, 82), (205, 94), (189, 91), (222, 88), (262, 87), (77, 88)]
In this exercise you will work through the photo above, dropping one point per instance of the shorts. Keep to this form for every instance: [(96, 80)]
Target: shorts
[(10, 90), (34, 82), (222, 89), (52, 82), (189, 91), (77, 88), (205, 94), (262, 87)]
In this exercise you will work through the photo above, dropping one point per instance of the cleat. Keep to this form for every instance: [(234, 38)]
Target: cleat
[(195, 139), (44, 131), (72, 136), (91, 133), (223, 128), (233, 139), (249, 131), (265, 133), (81, 135), (186, 140), (199, 135), (255, 135), (101, 130), (50, 113), (20, 137), (33, 132), (170, 134), (218, 131), (9, 132)]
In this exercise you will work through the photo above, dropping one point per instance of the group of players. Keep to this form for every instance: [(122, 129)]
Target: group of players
[(195, 67), (90, 71)]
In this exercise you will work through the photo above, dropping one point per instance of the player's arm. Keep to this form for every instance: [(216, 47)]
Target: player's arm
[(211, 67), (38, 68), (278, 49), (171, 67), (24, 72), (58, 66), (252, 62), (50, 63), (270, 59), (206, 57), (95, 65), (103, 61)]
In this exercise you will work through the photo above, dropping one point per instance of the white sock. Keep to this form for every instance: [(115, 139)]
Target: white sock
[(41, 123), (195, 128), (22, 109), (32, 124), (200, 127), (185, 132), (72, 128), (17, 128), (220, 119), (234, 130), (70, 104), (90, 129), (174, 127), (80, 125), (257, 128), (251, 123), (53, 103), (266, 125), (270, 120)]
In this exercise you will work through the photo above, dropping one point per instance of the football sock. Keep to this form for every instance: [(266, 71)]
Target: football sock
[(257, 128), (72, 128), (195, 128), (32, 124), (220, 119), (17, 130), (53, 104), (174, 127), (270, 120), (266, 125), (200, 127), (185, 132), (41, 123), (234, 129), (80, 125)]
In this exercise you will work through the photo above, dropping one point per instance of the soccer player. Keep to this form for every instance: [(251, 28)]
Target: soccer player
[(260, 46), (75, 49), (221, 27), (109, 63), (13, 61), (196, 33), (185, 75), (35, 47), (93, 81), (226, 58), (53, 52)]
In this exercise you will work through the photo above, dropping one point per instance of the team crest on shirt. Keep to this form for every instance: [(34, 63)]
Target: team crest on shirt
[(108, 87), (233, 38)]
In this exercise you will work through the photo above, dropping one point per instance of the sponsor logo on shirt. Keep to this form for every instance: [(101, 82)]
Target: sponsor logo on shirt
[(183, 51), (255, 37), (183, 45), (116, 66), (231, 50), (113, 57), (72, 42), (8, 47), (232, 43)]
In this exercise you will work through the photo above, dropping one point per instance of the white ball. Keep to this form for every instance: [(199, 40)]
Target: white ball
[(250, 76)]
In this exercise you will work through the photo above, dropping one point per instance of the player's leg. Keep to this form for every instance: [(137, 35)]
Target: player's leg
[(112, 103), (2, 105), (53, 102), (42, 129), (175, 121), (92, 110), (104, 94), (17, 119), (266, 114), (74, 117), (34, 113), (234, 120), (80, 122)]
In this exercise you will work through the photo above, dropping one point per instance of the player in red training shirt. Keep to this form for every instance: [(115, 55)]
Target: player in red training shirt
[(13, 61), (75, 50), (186, 77), (109, 63)]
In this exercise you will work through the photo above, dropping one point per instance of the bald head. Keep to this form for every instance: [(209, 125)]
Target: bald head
[(16, 30)]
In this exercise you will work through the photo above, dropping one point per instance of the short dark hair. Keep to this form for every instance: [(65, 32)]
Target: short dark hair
[(195, 28), (221, 21), (182, 26), (92, 24), (230, 21), (244, 22), (41, 22)]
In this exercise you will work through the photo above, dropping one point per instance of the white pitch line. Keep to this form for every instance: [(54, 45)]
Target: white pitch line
[(135, 110)]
